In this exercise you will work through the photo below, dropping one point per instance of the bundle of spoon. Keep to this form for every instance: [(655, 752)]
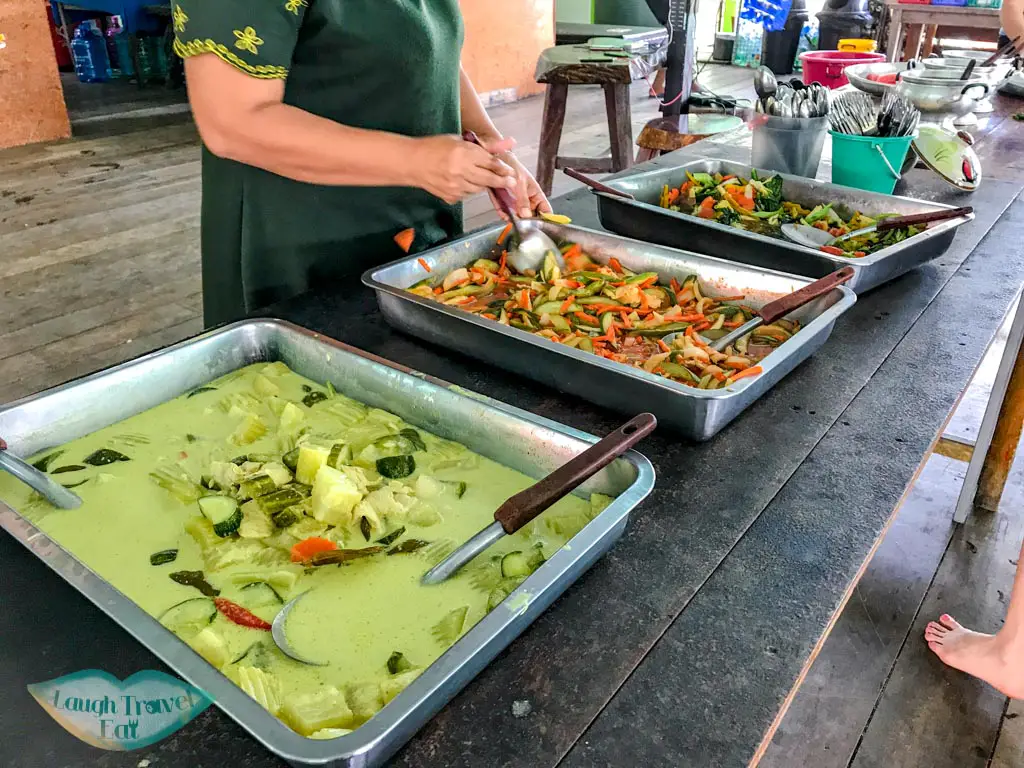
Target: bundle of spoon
[(793, 99), (855, 113)]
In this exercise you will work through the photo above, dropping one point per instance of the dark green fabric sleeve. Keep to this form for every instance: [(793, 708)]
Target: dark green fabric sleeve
[(255, 36)]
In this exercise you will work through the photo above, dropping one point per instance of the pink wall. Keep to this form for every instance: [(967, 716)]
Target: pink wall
[(504, 38), (31, 98)]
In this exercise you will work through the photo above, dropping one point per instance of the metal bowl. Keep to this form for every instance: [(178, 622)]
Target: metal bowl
[(942, 95), (857, 74), (952, 68)]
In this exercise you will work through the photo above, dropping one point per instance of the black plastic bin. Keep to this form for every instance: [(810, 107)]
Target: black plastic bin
[(778, 49), (840, 19)]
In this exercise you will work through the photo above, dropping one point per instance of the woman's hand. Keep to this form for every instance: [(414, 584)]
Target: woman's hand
[(453, 169), (530, 198)]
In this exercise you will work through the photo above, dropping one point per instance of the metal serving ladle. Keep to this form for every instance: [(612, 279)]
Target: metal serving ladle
[(812, 237), (775, 310), (516, 512), (42, 483)]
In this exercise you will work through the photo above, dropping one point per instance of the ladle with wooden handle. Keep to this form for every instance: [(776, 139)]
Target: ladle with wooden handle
[(595, 185), (40, 482), (775, 310), (526, 505)]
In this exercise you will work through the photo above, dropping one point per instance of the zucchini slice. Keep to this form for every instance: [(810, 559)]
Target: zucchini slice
[(189, 617), (398, 663), (163, 557), (396, 467), (222, 512), (515, 564)]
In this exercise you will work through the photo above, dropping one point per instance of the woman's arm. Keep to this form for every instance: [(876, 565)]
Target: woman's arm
[(243, 118), (1011, 15), (476, 119)]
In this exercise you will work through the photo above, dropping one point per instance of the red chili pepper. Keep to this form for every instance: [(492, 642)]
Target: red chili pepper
[(236, 614)]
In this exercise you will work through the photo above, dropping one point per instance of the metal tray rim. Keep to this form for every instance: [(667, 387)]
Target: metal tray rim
[(827, 317), (869, 260), (267, 729)]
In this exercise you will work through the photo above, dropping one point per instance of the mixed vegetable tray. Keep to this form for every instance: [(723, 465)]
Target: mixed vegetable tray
[(742, 221), (598, 329), (260, 462)]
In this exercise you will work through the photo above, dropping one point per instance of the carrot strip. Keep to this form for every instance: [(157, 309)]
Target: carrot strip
[(504, 258), (644, 304), (676, 288), (831, 249), (696, 317), (524, 299), (648, 282), (752, 371), (504, 234), (616, 265), (566, 304), (732, 323), (664, 347), (404, 239), (424, 264), (439, 289), (306, 548), (588, 318), (488, 315)]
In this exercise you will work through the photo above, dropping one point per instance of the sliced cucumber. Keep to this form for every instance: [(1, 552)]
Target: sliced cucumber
[(259, 594), (291, 459), (396, 467), (190, 616), (515, 564), (256, 486), (340, 454), (606, 321), (282, 498), (222, 512), (286, 517)]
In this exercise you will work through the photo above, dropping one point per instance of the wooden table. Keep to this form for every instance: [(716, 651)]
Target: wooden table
[(912, 18)]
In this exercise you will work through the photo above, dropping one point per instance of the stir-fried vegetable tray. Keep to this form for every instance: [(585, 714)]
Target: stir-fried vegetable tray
[(596, 329), (756, 204), (748, 206)]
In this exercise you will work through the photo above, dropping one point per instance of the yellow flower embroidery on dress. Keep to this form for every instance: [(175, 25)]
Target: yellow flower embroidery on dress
[(197, 47), (248, 40), (180, 19), (294, 5)]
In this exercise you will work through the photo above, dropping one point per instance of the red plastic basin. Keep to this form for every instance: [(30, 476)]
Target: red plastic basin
[(828, 67)]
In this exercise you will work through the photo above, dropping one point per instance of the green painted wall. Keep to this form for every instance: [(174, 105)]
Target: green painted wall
[(579, 11)]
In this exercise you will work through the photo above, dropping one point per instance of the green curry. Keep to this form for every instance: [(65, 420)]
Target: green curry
[(213, 510)]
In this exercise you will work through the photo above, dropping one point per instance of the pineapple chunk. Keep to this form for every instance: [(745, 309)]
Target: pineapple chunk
[(225, 474), (292, 419), (395, 684), (277, 472), (262, 687), (330, 733), (276, 368), (311, 458), (250, 430), (201, 529), (308, 713), (211, 647), (334, 496), (243, 551), (365, 700), (425, 515), (264, 386), (256, 524)]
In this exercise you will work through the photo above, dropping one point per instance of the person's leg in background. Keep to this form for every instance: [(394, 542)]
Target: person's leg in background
[(660, 10), (997, 659)]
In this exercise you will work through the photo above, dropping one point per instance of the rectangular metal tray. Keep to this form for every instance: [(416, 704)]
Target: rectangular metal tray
[(515, 438), (699, 414), (644, 219)]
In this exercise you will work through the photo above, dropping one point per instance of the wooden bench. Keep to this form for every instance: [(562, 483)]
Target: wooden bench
[(566, 65)]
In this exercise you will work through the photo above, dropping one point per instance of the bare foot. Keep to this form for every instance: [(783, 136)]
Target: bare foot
[(987, 657)]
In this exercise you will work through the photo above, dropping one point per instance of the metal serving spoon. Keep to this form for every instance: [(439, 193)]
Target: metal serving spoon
[(765, 85), (775, 310), (812, 237), (534, 245), (46, 486), (516, 512)]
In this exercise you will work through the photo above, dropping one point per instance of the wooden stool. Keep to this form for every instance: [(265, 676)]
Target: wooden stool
[(566, 65)]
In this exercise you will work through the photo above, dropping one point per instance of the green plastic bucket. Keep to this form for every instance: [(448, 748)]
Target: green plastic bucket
[(868, 162)]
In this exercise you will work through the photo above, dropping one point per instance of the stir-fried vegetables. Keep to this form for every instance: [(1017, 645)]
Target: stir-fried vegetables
[(614, 312), (757, 205)]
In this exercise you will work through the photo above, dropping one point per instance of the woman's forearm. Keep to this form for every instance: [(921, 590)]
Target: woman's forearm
[(474, 116), (1011, 15)]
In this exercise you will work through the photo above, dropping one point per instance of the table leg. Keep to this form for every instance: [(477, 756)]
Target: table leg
[(1000, 455), (620, 125), (551, 133), (912, 45), (930, 33), (895, 32)]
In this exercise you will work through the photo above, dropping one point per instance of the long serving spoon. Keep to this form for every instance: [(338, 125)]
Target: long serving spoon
[(45, 485), (516, 512), (534, 244), (774, 310), (812, 237), (596, 185)]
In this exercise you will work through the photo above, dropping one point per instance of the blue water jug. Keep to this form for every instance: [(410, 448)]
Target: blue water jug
[(89, 51)]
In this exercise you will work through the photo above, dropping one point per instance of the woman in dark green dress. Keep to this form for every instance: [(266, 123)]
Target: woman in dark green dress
[(328, 127)]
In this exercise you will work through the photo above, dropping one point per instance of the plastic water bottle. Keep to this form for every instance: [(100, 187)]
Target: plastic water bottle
[(90, 53), (118, 50)]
